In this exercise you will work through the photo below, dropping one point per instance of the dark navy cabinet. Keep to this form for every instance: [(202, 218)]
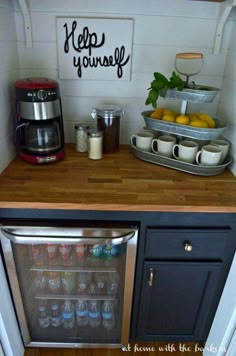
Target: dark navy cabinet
[(175, 302), (183, 275)]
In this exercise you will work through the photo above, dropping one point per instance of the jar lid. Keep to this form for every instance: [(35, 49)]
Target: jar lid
[(95, 133), (107, 111), (81, 126)]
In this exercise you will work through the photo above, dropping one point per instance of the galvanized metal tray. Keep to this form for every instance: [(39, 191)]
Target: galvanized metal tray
[(184, 130), (200, 94), (180, 165)]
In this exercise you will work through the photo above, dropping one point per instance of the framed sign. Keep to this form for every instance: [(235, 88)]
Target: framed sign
[(94, 48)]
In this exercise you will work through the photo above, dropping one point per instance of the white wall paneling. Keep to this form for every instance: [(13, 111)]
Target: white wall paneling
[(151, 7), (227, 104), (9, 72)]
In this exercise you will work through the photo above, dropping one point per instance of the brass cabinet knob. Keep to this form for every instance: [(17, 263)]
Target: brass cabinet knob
[(150, 280), (188, 247)]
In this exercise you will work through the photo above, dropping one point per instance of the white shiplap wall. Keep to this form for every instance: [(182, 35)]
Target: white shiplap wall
[(227, 104), (161, 29), (9, 71)]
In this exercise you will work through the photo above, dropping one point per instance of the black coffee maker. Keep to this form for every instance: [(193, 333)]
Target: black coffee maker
[(39, 132)]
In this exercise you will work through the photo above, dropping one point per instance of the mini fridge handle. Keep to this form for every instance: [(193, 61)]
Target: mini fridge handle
[(32, 235)]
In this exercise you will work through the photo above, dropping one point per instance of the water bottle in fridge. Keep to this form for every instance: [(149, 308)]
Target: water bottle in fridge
[(43, 315), (68, 315), (94, 313), (81, 312), (108, 318), (55, 314)]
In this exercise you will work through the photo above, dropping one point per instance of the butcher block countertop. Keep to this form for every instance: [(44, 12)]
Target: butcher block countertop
[(118, 182)]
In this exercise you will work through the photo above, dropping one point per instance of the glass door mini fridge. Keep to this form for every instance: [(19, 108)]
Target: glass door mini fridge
[(71, 286)]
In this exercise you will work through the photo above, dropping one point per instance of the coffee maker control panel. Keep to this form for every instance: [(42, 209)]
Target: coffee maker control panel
[(42, 94)]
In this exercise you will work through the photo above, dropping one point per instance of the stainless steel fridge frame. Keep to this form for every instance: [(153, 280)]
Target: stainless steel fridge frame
[(70, 235)]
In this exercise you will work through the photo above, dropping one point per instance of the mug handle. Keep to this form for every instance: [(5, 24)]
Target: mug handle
[(133, 140), (153, 143), (176, 146), (198, 157)]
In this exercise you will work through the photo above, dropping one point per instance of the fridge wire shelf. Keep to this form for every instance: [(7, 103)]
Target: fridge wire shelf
[(52, 296), (74, 269)]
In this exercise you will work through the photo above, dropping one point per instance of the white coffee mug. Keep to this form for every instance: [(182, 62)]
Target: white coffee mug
[(224, 146), (163, 145), (209, 155), (185, 151), (142, 140)]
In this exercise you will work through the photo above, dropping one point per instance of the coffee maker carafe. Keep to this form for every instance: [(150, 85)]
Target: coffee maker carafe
[(39, 133)]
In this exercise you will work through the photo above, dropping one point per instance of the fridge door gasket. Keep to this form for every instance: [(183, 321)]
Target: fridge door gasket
[(44, 235)]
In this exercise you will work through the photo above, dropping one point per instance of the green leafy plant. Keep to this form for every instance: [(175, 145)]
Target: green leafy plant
[(160, 85)]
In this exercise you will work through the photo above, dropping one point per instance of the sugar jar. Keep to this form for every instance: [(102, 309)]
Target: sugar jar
[(108, 121), (95, 139)]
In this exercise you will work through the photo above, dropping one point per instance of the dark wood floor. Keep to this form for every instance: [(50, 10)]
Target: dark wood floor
[(139, 349)]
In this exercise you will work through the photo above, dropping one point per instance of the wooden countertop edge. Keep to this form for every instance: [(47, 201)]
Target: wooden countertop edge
[(117, 207)]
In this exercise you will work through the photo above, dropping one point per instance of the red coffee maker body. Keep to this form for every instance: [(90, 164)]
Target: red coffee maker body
[(39, 131)]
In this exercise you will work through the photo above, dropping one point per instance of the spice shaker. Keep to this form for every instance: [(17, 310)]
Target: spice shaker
[(108, 121), (95, 139), (81, 137)]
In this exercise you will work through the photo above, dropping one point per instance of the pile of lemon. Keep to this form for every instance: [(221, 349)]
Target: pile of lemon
[(195, 119)]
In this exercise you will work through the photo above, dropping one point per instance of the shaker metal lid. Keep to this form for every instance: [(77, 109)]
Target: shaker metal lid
[(107, 111), (81, 126), (95, 133)]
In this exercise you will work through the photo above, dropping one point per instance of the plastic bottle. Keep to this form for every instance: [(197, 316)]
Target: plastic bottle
[(68, 281), (55, 315), (101, 279), (94, 313), (108, 319), (43, 315), (113, 284), (68, 315), (81, 312), (92, 290), (52, 254), (84, 278), (54, 281), (40, 281), (37, 254)]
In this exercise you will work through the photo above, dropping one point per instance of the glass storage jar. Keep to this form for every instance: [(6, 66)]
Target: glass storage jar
[(108, 121), (95, 139), (81, 137)]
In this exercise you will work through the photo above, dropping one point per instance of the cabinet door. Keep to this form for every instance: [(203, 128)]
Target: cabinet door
[(177, 300)]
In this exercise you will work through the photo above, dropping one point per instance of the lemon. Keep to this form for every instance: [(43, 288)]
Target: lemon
[(193, 116), (198, 123), (157, 114), (209, 120), (169, 117), (182, 119), (171, 112)]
